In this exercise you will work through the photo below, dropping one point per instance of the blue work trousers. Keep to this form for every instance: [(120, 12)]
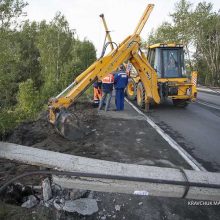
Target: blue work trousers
[(106, 99), (119, 99)]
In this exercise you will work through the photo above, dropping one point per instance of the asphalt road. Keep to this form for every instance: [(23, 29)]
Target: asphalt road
[(212, 100), (196, 128)]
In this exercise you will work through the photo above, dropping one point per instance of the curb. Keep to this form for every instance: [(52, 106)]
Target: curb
[(186, 156)]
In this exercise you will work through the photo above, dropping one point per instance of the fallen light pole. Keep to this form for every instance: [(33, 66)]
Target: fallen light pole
[(99, 175)]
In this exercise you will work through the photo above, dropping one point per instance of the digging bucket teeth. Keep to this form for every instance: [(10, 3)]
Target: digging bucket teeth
[(68, 125)]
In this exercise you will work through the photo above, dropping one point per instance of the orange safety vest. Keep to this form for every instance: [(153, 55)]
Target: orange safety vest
[(97, 92), (108, 79)]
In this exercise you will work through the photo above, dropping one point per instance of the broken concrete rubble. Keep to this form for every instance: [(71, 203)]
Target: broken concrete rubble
[(91, 146), (117, 207), (83, 206), (76, 193), (59, 203), (47, 191), (53, 195), (31, 202)]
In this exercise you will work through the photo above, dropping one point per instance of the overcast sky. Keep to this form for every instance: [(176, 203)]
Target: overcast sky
[(121, 15)]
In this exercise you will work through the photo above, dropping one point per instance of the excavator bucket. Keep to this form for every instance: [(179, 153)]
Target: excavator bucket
[(68, 125)]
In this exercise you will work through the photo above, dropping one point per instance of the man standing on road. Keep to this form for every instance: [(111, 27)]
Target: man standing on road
[(120, 82), (107, 87)]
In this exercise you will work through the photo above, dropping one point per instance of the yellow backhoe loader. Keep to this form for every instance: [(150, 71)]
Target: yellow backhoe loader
[(168, 61), (151, 90)]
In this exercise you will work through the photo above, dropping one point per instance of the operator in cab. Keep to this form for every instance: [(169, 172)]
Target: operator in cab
[(120, 83), (172, 67)]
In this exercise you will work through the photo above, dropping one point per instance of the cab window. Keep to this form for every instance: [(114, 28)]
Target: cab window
[(171, 63)]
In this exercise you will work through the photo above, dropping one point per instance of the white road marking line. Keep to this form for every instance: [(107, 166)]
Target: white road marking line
[(188, 158), (208, 105), (210, 91)]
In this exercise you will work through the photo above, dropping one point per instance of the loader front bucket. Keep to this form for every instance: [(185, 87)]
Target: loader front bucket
[(68, 125)]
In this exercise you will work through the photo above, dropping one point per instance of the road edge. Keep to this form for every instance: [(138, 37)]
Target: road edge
[(185, 155), (209, 91), (207, 104)]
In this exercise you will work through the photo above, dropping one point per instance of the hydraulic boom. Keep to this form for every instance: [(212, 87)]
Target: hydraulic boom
[(127, 50)]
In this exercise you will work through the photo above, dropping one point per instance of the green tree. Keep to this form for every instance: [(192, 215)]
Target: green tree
[(28, 100), (54, 43), (37, 61), (62, 57), (165, 33), (207, 42), (9, 60), (10, 12), (29, 65), (199, 30)]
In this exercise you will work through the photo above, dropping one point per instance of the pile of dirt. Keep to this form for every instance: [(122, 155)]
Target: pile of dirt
[(115, 137), (42, 134)]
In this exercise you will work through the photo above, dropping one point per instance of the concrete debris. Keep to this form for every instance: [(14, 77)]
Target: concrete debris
[(141, 193), (82, 206), (138, 140), (141, 133), (103, 217), (59, 204), (48, 203), (91, 195), (140, 203), (117, 207), (31, 202), (77, 193), (65, 193), (58, 192), (47, 191)]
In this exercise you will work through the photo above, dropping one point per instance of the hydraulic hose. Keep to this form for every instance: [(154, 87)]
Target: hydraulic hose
[(185, 183), (105, 47)]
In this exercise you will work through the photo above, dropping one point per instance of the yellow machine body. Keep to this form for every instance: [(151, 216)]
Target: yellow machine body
[(184, 88), (146, 82), (127, 50)]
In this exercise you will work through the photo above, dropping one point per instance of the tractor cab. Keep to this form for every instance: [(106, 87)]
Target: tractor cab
[(167, 60), (172, 81)]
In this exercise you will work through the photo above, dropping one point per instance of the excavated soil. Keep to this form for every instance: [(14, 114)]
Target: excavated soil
[(120, 137), (113, 136), (42, 134)]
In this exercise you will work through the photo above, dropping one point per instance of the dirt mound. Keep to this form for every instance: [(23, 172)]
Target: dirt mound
[(42, 134), (114, 137)]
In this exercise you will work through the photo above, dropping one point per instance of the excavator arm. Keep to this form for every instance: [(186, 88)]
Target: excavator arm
[(148, 77), (129, 49), (108, 36)]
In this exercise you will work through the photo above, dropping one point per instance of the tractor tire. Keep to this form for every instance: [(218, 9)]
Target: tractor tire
[(131, 90), (140, 95), (180, 103)]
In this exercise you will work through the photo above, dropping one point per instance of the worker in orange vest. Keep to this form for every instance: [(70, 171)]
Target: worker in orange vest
[(107, 87), (97, 93)]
